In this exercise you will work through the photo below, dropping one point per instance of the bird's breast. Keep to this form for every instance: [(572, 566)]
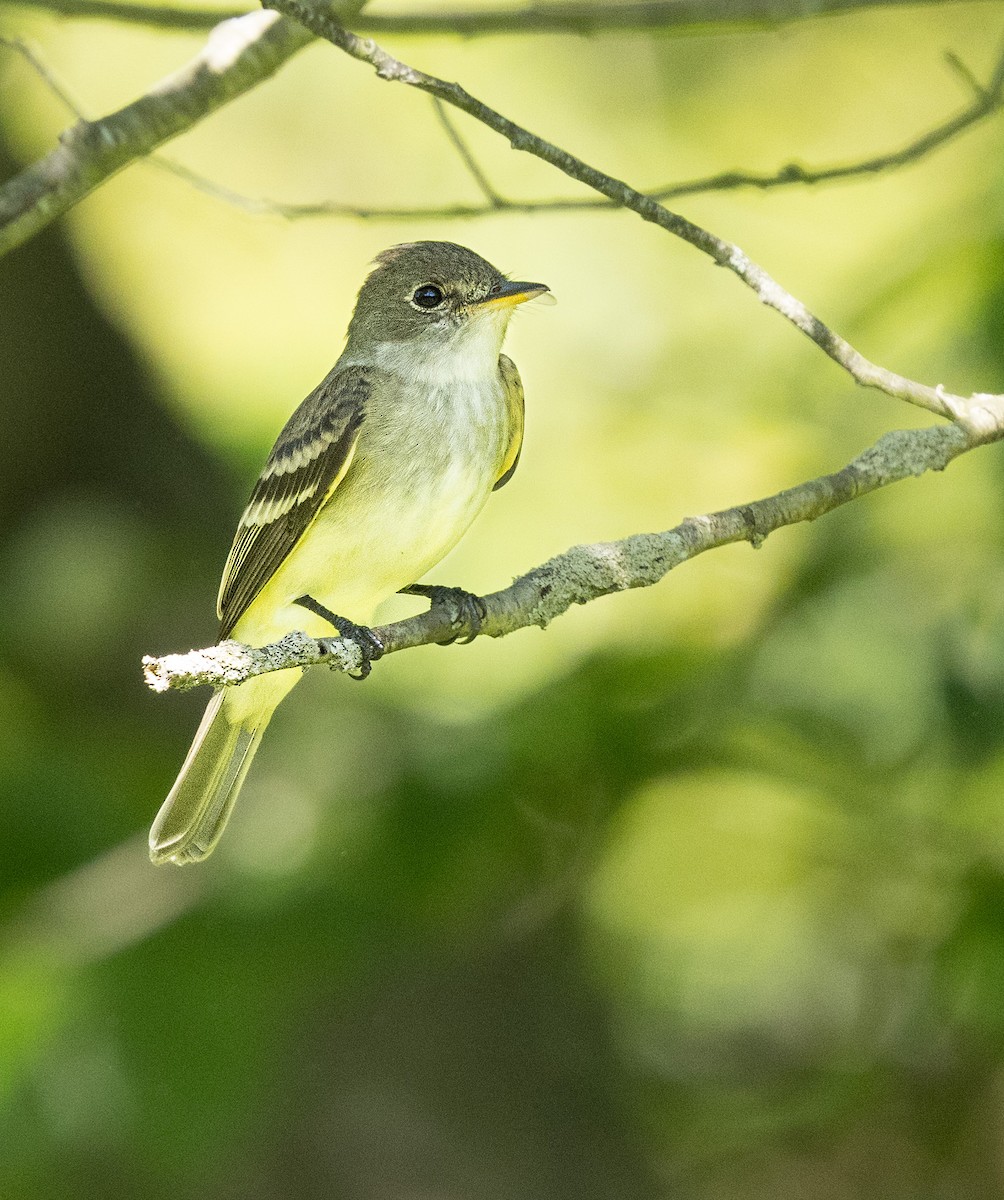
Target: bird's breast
[(426, 462), (433, 457)]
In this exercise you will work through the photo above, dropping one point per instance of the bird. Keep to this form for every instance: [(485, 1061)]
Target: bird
[(372, 481)]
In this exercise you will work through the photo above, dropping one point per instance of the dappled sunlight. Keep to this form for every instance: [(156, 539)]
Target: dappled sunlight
[(697, 892)]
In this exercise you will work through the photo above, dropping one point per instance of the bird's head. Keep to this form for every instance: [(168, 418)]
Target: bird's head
[(436, 297)]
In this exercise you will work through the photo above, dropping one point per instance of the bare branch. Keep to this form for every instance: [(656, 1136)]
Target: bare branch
[(156, 16), (975, 414), (45, 73), (466, 157), (90, 153), (987, 100), (679, 17), (238, 55), (585, 573), (244, 51)]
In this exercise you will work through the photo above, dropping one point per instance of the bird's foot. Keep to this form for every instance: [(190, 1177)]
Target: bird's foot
[(463, 610), (370, 646)]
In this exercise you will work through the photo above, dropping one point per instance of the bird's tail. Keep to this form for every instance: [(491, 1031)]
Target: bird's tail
[(199, 805)]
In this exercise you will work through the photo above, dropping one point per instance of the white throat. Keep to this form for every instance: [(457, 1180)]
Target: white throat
[(470, 355)]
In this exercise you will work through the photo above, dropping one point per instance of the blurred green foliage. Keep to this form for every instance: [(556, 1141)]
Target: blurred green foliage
[(698, 893)]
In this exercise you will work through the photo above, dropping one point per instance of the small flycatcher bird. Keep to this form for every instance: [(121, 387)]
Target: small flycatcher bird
[(375, 477)]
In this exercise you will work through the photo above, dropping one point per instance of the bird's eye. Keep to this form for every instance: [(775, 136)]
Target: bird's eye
[(428, 296)]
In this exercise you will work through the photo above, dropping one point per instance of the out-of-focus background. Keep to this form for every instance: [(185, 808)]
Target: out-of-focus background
[(696, 894)]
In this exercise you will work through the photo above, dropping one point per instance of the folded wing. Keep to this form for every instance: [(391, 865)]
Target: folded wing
[(308, 461)]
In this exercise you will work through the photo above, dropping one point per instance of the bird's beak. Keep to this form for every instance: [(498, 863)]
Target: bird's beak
[(510, 293)]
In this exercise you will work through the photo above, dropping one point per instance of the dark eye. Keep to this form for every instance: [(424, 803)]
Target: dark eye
[(428, 296)]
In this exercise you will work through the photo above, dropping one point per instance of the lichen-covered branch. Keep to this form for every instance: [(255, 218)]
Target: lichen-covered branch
[(243, 51), (585, 573), (238, 55)]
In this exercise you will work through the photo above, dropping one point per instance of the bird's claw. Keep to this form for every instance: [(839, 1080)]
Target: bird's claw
[(461, 608), (370, 646)]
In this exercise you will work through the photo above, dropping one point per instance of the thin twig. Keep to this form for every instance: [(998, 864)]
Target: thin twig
[(585, 573), (679, 17), (162, 162), (237, 56), (466, 157), (965, 73), (45, 73), (987, 100), (978, 417), (31, 200), (156, 16)]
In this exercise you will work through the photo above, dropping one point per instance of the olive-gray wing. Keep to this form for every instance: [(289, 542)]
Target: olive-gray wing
[(308, 461)]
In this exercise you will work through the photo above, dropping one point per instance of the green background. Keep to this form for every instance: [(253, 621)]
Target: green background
[(699, 892)]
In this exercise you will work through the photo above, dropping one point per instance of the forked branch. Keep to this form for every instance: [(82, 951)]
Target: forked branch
[(240, 54), (981, 415), (986, 100)]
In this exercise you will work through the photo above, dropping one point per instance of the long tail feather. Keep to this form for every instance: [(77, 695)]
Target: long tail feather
[(199, 805)]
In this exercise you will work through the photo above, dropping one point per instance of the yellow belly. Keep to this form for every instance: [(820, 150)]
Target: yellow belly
[(410, 495), (355, 557)]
